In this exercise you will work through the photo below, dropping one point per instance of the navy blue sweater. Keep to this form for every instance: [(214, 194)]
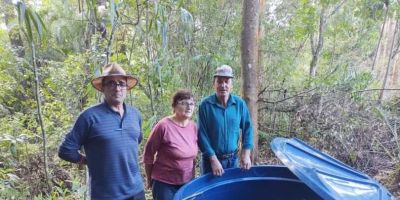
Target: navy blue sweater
[(111, 148)]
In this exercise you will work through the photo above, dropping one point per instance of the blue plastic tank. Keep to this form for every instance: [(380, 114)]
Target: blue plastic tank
[(308, 174), (259, 183)]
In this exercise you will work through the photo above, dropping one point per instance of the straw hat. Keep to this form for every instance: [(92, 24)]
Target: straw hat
[(113, 69), (224, 71)]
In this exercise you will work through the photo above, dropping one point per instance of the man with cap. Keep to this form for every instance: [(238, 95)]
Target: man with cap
[(110, 133), (221, 118)]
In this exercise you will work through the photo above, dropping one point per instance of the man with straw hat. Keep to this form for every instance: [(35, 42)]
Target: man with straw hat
[(110, 133)]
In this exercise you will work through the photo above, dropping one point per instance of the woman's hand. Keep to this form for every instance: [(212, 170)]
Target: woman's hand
[(149, 183)]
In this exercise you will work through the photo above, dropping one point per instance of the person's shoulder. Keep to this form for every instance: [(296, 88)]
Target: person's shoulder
[(164, 121), (237, 98), (92, 109), (193, 124), (207, 99), (90, 113), (133, 109)]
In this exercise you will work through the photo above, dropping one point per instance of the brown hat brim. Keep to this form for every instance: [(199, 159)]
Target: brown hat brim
[(131, 81)]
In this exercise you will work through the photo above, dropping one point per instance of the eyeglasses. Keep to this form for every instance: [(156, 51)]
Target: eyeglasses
[(184, 103), (113, 84)]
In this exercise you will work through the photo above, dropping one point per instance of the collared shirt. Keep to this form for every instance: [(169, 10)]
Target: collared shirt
[(219, 127), (175, 148), (111, 148)]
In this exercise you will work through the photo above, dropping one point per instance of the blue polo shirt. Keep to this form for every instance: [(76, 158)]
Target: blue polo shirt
[(219, 127), (111, 148)]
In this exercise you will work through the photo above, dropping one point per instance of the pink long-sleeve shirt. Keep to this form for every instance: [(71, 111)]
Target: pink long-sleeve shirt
[(171, 149)]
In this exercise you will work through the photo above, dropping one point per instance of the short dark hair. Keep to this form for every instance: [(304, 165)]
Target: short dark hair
[(181, 95)]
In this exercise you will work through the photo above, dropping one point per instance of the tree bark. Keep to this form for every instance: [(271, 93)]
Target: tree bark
[(27, 23), (380, 38), (40, 118), (388, 66), (316, 46), (249, 52), (149, 60)]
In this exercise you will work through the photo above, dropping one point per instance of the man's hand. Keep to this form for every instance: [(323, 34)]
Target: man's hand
[(245, 161), (216, 166), (82, 162)]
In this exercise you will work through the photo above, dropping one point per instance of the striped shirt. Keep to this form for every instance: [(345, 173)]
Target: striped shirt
[(111, 146)]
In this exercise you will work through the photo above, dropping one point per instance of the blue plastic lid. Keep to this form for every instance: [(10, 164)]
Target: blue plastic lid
[(328, 177)]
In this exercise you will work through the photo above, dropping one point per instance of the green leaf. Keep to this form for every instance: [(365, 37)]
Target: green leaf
[(28, 17), (28, 27), (13, 149), (37, 23), (21, 12), (21, 16), (186, 17)]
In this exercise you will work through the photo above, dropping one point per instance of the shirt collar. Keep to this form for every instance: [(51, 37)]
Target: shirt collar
[(214, 100), (108, 108)]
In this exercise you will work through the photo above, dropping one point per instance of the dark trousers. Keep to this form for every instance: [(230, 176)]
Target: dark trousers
[(164, 191), (230, 162), (139, 196)]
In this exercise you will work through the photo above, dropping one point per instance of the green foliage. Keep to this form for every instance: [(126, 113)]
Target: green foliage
[(306, 19), (31, 20), (177, 44), (9, 185)]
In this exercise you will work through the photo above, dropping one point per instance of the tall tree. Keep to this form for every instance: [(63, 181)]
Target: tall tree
[(389, 63), (249, 51), (381, 34), (317, 43), (28, 21)]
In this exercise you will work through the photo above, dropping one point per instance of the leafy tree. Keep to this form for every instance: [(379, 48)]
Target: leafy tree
[(29, 21)]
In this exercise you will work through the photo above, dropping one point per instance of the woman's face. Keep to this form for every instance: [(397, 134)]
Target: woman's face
[(184, 108)]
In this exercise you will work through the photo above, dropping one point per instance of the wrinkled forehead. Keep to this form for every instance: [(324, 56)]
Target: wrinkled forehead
[(186, 99), (222, 79), (114, 78)]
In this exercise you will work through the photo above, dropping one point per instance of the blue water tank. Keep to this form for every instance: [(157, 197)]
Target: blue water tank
[(259, 183), (308, 174)]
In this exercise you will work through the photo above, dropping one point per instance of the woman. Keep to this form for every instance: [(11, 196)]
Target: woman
[(170, 152)]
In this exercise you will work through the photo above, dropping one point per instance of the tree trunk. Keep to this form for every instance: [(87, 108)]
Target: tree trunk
[(110, 41), (380, 38), (394, 76), (249, 51), (149, 60), (316, 46), (388, 66), (40, 119), (261, 77)]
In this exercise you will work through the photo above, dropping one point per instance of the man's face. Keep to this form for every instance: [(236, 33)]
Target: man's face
[(114, 89), (222, 86)]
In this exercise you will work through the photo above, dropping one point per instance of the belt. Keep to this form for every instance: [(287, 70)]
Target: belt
[(226, 155)]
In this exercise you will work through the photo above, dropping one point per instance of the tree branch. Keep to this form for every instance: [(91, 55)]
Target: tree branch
[(284, 99)]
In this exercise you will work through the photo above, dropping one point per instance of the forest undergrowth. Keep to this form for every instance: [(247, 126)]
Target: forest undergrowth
[(360, 133)]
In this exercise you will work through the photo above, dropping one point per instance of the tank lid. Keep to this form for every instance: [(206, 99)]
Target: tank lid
[(328, 177)]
